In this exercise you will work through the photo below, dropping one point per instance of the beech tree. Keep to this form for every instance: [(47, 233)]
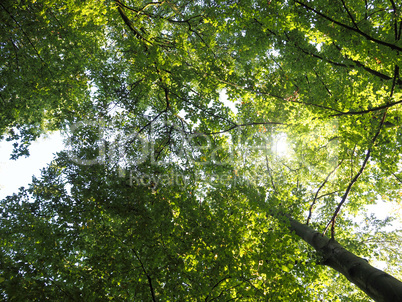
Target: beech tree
[(165, 193)]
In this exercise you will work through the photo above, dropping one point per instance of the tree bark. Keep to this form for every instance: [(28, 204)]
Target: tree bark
[(377, 284)]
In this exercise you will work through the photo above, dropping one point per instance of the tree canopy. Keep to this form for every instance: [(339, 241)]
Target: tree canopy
[(164, 192)]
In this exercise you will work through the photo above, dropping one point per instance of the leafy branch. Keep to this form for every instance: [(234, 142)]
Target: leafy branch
[(354, 29), (352, 182), (151, 288), (318, 191), (385, 106), (25, 34), (131, 26), (242, 125)]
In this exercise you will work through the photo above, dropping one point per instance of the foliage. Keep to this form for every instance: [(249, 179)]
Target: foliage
[(166, 194), (47, 50)]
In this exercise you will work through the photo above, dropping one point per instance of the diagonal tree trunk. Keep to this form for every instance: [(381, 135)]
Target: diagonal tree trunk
[(377, 284)]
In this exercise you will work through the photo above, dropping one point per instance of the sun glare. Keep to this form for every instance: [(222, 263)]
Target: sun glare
[(280, 146)]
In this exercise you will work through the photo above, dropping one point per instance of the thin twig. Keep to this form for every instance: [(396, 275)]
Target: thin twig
[(242, 125), (350, 14), (25, 34), (395, 20), (352, 182), (318, 191), (270, 174), (219, 282), (396, 76), (327, 194), (400, 180), (147, 275), (278, 97)]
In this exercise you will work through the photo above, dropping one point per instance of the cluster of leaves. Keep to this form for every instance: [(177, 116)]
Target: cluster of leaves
[(99, 239), (166, 194), (46, 50)]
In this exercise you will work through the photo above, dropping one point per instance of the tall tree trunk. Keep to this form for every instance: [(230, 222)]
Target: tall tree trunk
[(377, 284)]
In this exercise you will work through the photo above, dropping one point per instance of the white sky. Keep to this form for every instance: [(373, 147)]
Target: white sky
[(17, 173)]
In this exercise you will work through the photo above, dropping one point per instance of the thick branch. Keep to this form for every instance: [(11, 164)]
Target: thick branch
[(131, 25), (388, 105), (357, 63), (356, 30)]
